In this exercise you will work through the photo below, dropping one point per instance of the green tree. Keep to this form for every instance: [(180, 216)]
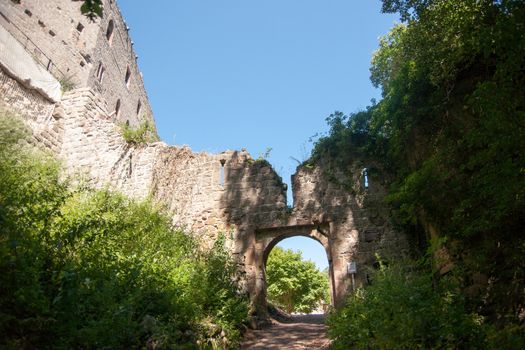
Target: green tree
[(450, 130), (293, 283)]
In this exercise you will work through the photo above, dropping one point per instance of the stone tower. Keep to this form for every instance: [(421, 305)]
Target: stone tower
[(82, 53)]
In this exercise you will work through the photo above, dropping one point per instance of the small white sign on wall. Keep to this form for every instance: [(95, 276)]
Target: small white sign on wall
[(352, 267)]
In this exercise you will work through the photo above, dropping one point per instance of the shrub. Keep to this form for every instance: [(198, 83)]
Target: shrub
[(143, 134), (94, 269), (404, 309)]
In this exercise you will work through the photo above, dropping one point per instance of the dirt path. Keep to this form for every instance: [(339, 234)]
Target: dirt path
[(303, 332)]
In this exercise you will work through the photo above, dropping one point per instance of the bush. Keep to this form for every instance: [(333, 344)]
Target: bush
[(404, 309), (94, 269), (143, 134)]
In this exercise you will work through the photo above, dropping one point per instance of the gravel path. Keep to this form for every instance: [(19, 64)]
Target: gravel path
[(303, 332)]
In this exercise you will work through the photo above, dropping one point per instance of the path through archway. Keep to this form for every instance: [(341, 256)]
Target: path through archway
[(296, 284), (267, 239)]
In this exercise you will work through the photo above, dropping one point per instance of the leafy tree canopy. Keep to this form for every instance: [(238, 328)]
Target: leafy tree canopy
[(450, 130), (293, 283)]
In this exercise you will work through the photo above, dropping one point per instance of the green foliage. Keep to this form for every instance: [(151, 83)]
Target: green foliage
[(92, 9), (406, 8), (294, 284), (450, 129), (94, 269), (262, 159), (141, 135), (348, 137), (404, 308), (266, 154), (454, 112)]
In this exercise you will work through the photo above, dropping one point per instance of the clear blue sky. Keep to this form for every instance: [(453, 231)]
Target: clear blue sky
[(235, 74)]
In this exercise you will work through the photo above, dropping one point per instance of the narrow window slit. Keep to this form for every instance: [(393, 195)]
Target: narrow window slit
[(109, 31), (117, 108), (100, 72), (128, 77), (221, 178), (130, 169)]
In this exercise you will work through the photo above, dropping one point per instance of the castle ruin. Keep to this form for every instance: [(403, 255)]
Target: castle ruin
[(94, 68)]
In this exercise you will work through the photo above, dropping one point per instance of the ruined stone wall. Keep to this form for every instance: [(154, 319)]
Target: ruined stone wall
[(72, 48), (350, 221), (358, 218), (190, 184), (229, 192), (36, 110), (206, 193), (93, 148)]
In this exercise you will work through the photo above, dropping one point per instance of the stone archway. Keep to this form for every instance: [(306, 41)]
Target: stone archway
[(351, 224), (266, 239)]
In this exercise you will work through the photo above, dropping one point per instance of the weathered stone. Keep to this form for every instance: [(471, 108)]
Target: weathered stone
[(77, 39), (249, 206)]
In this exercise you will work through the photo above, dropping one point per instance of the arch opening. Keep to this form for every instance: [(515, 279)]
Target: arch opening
[(315, 236), (294, 280)]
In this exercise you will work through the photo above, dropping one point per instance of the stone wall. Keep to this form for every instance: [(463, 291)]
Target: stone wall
[(36, 110), (350, 221), (118, 58), (229, 192), (29, 104), (72, 47), (92, 147), (48, 30), (358, 218)]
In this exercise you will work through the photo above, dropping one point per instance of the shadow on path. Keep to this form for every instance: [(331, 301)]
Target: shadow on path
[(302, 332)]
